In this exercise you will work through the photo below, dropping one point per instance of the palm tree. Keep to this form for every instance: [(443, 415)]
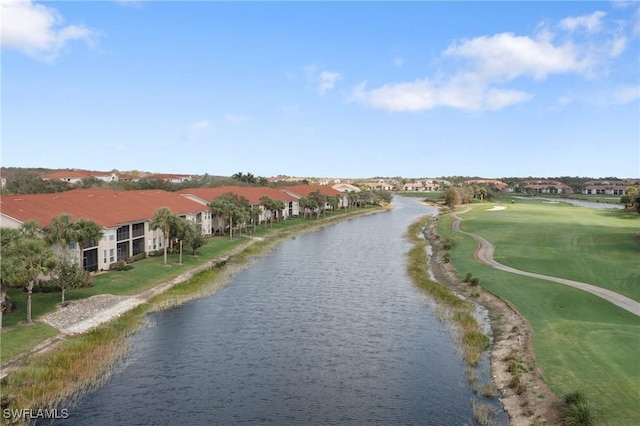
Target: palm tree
[(218, 211), (60, 232), (86, 233), (162, 219), (278, 206), (267, 203), (29, 258)]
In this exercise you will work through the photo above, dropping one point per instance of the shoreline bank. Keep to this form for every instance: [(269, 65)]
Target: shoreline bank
[(524, 396)]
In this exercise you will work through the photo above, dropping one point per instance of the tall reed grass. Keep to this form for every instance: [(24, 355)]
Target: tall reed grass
[(471, 339)]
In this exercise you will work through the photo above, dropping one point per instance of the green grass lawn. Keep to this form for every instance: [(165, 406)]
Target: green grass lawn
[(581, 342)]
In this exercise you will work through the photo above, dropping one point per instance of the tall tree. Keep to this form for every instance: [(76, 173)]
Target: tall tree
[(194, 237), (8, 266), (69, 275), (30, 258), (162, 219), (60, 231), (267, 203), (452, 197), (86, 233)]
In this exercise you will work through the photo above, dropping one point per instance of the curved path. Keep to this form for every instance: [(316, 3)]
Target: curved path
[(484, 254)]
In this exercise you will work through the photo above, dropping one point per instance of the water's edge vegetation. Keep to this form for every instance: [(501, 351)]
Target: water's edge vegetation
[(473, 341)]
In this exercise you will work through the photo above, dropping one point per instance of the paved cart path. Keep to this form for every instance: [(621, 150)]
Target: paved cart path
[(484, 254)]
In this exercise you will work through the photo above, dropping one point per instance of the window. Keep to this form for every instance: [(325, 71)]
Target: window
[(137, 229), (154, 243), (111, 256), (112, 236), (123, 233), (104, 257)]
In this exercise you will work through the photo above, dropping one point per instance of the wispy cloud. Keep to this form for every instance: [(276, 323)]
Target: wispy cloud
[(481, 67), (591, 23), (323, 80), (398, 61), (625, 95), (199, 129), (38, 30)]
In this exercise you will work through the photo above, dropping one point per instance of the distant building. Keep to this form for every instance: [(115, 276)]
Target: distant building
[(544, 186), (603, 187), (76, 176), (171, 178), (346, 187)]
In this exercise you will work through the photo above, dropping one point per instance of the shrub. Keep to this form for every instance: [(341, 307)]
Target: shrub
[(467, 277), (577, 410), (474, 281), (448, 244), (117, 265), (124, 268), (136, 257), (446, 258)]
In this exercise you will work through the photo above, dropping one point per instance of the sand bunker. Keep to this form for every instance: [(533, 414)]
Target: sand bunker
[(496, 208)]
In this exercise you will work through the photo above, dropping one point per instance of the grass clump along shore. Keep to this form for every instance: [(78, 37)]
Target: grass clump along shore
[(580, 340), (82, 362), (472, 340)]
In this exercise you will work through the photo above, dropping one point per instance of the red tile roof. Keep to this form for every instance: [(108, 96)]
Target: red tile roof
[(251, 193), (107, 207)]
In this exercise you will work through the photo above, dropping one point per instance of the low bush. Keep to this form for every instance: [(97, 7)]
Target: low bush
[(136, 257), (577, 410), (116, 265)]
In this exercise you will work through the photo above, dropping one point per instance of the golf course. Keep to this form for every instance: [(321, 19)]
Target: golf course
[(582, 342)]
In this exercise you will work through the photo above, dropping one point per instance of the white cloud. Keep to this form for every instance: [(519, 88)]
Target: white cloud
[(625, 95), (328, 81), (623, 4), (323, 80), (460, 92), (506, 56), (398, 61), (38, 30), (591, 23), (478, 69), (199, 128)]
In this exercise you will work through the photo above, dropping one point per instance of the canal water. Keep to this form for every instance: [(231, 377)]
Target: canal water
[(326, 330)]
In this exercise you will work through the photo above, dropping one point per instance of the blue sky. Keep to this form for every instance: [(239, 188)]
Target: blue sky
[(327, 89)]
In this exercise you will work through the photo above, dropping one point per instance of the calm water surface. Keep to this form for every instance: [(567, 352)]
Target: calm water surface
[(326, 330)]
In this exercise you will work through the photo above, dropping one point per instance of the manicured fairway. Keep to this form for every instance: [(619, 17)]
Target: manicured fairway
[(595, 246), (581, 342)]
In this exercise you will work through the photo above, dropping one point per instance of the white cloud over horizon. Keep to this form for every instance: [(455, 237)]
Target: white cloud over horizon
[(37, 30), (483, 65)]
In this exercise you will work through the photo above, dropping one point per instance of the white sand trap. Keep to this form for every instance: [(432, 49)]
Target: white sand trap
[(551, 202), (496, 208)]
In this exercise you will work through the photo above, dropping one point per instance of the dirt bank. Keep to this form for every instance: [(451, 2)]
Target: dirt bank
[(525, 397)]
